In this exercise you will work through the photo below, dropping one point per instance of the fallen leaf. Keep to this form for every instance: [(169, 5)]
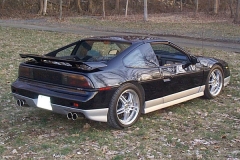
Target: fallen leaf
[(14, 151)]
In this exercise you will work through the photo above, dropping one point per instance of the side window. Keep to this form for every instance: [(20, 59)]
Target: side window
[(167, 54), (65, 52), (141, 57), (99, 50), (106, 48)]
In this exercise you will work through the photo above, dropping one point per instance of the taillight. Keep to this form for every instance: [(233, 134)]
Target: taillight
[(25, 72), (77, 81)]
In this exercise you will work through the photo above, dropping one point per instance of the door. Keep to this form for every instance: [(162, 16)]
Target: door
[(178, 76)]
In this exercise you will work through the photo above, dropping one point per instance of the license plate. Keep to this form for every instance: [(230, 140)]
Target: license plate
[(44, 102)]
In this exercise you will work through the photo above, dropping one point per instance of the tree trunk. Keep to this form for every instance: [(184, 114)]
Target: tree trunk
[(45, 7), (40, 7), (90, 6), (231, 8), (145, 11), (3, 3), (60, 10), (216, 6), (79, 7), (181, 4), (117, 2), (196, 5), (237, 16), (103, 5), (126, 11)]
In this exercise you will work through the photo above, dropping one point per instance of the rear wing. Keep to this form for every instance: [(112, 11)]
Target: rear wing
[(56, 60)]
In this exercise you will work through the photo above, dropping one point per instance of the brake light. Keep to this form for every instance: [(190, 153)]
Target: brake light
[(76, 105), (25, 72), (77, 81)]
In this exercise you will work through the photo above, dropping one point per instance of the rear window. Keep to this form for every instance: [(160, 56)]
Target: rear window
[(99, 50)]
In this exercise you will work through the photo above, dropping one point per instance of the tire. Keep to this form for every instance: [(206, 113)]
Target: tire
[(214, 83), (125, 106)]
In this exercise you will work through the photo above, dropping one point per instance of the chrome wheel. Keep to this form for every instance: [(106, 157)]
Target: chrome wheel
[(215, 82), (128, 107)]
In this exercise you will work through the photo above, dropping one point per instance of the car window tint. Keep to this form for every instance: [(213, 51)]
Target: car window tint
[(168, 55), (100, 50), (168, 51), (65, 52), (142, 57)]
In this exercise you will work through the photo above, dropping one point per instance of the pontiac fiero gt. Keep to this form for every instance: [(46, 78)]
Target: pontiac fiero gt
[(115, 79)]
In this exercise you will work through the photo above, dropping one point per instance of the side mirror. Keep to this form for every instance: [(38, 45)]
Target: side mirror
[(193, 59)]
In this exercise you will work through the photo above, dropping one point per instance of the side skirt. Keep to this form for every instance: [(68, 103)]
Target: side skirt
[(173, 99), (226, 80)]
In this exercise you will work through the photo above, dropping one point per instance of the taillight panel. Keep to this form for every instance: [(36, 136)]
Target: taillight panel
[(55, 77), (77, 81), (26, 72)]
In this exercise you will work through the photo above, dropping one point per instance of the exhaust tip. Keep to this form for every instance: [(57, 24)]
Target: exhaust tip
[(69, 115), (74, 116), (20, 102)]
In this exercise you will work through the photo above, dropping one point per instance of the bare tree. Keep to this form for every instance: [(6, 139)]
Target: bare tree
[(45, 7), (126, 11), (79, 7), (117, 4), (237, 16), (3, 3), (145, 11), (103, 7), (90, 6), (196, 6), (231, 8), (216, 6), (181, 5), (40, 7), (60, 9)]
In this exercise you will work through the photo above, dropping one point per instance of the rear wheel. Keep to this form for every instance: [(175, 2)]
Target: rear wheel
[(125, 106), (214, 82)]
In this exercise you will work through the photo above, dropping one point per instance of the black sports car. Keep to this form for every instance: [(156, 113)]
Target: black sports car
[(115, 79)]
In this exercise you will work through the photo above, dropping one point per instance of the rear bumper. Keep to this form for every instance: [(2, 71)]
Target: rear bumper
[(92, 114)]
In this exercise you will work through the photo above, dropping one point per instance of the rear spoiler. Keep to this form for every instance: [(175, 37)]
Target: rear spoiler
[(90, 65)]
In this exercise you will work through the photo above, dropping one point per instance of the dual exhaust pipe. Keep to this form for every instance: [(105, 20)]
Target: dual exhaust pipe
[(72, 116), (20, 103)]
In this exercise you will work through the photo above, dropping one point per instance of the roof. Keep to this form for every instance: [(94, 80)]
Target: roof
[(129, 39)]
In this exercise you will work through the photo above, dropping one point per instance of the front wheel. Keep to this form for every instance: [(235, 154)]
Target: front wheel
[(214, 82), (125, 106)]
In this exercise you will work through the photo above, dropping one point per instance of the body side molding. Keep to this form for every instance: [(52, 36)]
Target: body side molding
[(173, 99)]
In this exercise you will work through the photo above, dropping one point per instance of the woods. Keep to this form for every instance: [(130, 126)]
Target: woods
[(118, 7)]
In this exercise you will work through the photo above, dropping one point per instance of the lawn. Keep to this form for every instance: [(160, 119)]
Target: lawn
[(197, 129), (186, 25)]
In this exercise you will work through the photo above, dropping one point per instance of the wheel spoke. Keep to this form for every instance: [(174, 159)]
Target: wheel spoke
[(123, 100), (121, 110), (126, 116), (130, 98), (213, 88), (211, 82), (214, 75), (134, 108)]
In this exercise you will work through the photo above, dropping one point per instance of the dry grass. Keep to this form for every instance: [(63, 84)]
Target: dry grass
[(199, 26), (197, 129)]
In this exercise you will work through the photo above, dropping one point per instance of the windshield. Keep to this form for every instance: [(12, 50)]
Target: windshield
[(92, 50)]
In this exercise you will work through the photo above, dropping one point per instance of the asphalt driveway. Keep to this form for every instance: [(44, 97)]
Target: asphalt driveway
[(42, 24)]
